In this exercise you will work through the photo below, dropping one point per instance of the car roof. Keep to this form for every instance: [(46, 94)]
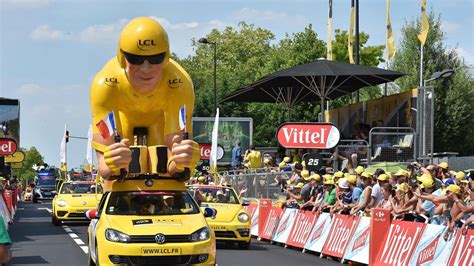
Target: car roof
[(80, 182)]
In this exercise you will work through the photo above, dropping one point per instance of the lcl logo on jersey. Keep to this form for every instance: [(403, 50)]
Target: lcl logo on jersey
[(146, 45), (175, 83), (111, 82)]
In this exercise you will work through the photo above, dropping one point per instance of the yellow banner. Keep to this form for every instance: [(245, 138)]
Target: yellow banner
[(351, 30), (390, 44), (425, 25)]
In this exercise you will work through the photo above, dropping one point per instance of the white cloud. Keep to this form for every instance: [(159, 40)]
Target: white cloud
[(101, 32), (467, 55), (177, 26), (27, 3), (450, 27), (45, 32), (268, 16)]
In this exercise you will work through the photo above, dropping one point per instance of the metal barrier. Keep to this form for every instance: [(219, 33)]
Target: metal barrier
[(392, 144), (348, 148), (258, 184)]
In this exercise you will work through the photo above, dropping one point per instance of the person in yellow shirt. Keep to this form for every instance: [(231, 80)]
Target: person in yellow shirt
[(253, 157), (144, 88)]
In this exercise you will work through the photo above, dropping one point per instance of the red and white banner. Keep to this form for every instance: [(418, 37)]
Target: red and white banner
[(400, 243), (463, 250), (251, 208), (308, 135), (319, 234), (301, 229), (432, 249), (271, 224), (358, 248), (285, 225), (342, 229), (254, 223), (264, 207)]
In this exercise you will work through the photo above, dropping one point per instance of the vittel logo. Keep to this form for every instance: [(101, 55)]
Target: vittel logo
[(340, 237), (399, 244), (317, 234), (303, 228), (283, 226), (427, 254), (308, 135), (463, 252), (361, 240), (271, 224), (146, 45)]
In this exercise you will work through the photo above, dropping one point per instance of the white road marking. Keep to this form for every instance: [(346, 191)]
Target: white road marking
[(76, 239), (79, 242), (85, 249), (67, 229), (72, 235), (20, 209), (48, 209)]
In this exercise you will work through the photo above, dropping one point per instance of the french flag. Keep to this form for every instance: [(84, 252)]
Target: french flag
[(182, 118), (106, 126)]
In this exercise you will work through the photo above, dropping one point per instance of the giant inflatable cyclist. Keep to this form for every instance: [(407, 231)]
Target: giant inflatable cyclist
[(142, 87)]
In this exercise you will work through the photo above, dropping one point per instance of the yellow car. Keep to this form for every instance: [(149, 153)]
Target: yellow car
[(73, 200), (154, 223), (232, 222)]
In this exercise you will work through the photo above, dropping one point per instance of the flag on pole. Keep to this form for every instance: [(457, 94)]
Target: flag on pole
[(213, 157), (106, 126), (89, 163), (351, 30), (62, 149), (329, 54), (425, 25), (390, 43), (182, 119)]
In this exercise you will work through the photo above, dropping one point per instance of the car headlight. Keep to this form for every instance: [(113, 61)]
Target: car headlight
[(62, 203), (201, 235), (243, 217), (116, 236)]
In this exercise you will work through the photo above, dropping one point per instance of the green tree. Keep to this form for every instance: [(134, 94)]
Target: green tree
[(32, 157), (454, 97)]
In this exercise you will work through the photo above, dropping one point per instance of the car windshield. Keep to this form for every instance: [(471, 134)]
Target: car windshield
[(45, 181), (71, 188), (151, 203), (214, 194)]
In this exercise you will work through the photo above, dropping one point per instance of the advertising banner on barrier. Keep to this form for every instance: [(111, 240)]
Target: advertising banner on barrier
[(358, 248), (432, 249), (342, 229), (269, 227), (400, 243), (264, 207), (285, 225), (319, 234), (254, 223), (302, 228), (251, 208), (462, 253)]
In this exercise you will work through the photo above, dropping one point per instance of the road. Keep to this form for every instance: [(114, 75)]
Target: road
[(37, 242)]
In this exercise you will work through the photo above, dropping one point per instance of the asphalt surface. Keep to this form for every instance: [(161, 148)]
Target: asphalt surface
[(36, 241)]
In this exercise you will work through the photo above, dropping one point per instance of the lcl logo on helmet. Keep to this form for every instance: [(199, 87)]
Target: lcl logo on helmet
[(146, 45), (111, 82)]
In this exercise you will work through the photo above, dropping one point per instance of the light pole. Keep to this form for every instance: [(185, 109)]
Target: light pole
[(205, 41), (445, 73)]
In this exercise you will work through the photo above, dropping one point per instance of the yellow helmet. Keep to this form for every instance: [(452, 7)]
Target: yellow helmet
[(143, 36), (305, 174)]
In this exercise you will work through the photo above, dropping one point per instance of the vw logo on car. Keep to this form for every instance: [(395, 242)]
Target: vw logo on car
[(160, 239)]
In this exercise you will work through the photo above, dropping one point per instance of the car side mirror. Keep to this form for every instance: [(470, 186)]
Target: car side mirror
[(92, 214), (245, 202), (210, 212)]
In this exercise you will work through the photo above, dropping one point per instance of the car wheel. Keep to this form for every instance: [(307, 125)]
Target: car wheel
[(244, 245), (55, 221)]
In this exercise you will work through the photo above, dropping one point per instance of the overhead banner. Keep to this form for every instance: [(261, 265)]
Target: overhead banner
[(301, 229), (319, 234), (308, 135), (400, 243), (342, 229), (285, 225), (268, 228), (358, 248)]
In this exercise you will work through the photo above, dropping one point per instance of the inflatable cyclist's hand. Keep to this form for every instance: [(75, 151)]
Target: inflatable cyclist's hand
[(118, 155), (184, 154)]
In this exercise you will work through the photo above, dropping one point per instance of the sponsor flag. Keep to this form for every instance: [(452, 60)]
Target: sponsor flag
[(213, 158), (390, 43), (182, 119), (62, 149), (329, 53), (106, 126), (351, 30), (425, 25), (89, 163)]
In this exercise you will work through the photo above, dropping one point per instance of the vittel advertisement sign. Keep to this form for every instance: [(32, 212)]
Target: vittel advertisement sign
[(343, 227), (308, 135)]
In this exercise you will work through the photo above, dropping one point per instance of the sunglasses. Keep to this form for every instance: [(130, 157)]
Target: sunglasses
[(139, 59)]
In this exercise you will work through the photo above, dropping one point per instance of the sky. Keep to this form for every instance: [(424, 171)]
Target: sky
[(50, 50)]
